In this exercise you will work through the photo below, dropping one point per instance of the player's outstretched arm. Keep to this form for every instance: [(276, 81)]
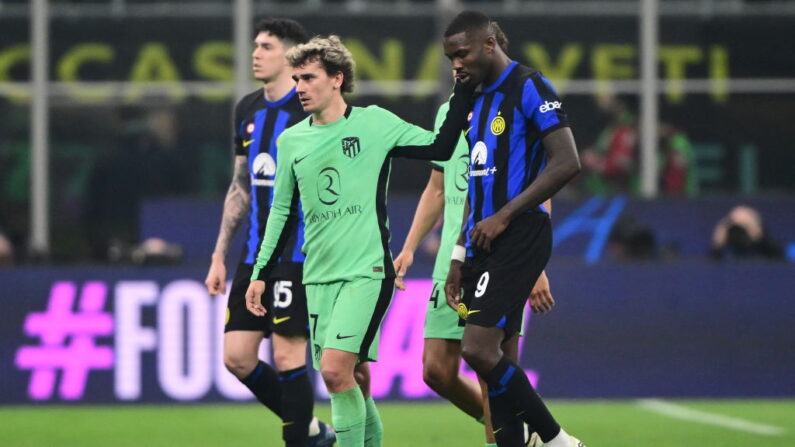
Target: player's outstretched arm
[(446, 139), (562, 165), (429, 209), (236, 207)]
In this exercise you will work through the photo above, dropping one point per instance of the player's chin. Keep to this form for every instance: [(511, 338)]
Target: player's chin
[(307, 106), (465, 79)]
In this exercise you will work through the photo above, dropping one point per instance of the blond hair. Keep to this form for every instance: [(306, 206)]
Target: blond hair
[(330, 53)]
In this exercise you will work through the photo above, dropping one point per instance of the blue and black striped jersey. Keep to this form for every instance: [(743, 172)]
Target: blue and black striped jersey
[(507, 124), (258, 123)]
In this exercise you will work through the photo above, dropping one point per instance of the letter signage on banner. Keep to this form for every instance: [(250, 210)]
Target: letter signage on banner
[(102, 335), (174, 334)]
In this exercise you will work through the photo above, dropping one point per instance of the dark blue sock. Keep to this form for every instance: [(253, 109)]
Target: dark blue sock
[(298, 401), (511, 396), (264, 383)]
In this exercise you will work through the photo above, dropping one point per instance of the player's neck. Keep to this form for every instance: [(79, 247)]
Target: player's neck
[(277, 89), (498, 67), (330, 114)]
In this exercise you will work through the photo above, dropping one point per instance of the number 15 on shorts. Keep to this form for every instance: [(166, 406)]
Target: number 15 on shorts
[(282, 294)]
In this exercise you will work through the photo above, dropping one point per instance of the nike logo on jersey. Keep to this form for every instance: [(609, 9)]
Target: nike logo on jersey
[(343, 337), (467, 131), (280, 320), (299, 160), (247, 143)]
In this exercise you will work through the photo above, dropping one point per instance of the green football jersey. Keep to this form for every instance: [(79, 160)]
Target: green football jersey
[(456, 181), (340, 171)]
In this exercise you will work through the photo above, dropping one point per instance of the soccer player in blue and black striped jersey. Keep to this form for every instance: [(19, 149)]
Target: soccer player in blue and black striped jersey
[(260, 117), (521, 153)]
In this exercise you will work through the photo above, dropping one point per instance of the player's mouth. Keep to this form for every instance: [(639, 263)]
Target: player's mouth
[(463, 77)]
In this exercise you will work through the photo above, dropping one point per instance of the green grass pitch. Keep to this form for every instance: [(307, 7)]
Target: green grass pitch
[(415, 424)]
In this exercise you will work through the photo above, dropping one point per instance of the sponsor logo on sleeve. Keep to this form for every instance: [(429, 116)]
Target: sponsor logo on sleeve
[(548, 106)]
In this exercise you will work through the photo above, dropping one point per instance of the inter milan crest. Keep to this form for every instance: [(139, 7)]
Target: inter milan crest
[(498, 124), (350, 146)]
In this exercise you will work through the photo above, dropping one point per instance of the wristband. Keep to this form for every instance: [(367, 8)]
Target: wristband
[(459, 253)]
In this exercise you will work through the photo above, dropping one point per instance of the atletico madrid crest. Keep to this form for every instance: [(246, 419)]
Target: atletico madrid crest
[(350, 146)]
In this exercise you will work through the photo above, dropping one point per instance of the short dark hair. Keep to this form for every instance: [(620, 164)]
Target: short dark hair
[(466, 21), (469, 20), (288, 31)]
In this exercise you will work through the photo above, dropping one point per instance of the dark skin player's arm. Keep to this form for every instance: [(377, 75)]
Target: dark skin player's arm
[(562, 165), (452, 287)]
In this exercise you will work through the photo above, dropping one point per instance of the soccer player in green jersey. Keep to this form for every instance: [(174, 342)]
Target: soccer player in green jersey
[(338, 161), (446, 192)]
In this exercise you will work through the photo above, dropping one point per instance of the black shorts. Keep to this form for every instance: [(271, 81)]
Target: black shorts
[(497, 284), (284, 299)]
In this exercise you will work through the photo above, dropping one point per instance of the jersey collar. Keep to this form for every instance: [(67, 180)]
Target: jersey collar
[(505, 73), (345, 115), (280, 102)]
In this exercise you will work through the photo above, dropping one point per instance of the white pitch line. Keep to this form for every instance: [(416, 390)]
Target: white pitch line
[(686, 414)]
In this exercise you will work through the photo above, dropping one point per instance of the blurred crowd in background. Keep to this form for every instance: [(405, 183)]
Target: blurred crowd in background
[(138, 155)]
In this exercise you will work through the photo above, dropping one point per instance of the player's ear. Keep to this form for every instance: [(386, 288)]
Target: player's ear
[(489, 44), (339, 78)]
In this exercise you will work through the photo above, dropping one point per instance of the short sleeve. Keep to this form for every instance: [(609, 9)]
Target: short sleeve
[(541, 105), (238, 131)]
